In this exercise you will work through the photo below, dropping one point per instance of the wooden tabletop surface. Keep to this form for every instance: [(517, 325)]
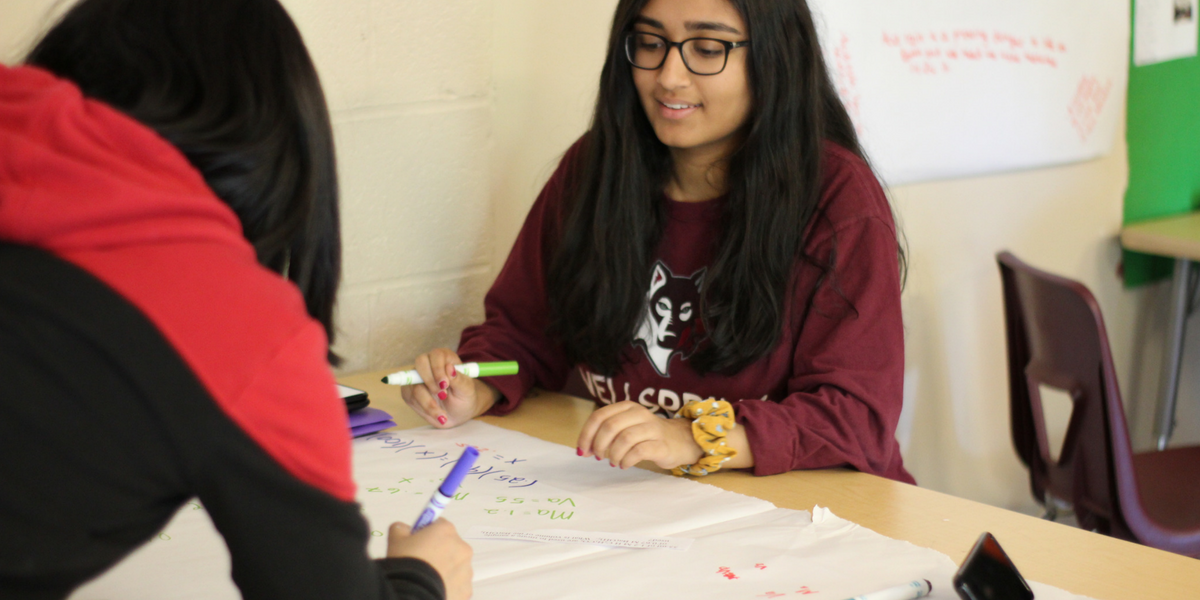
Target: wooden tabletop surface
[(1177, 236), (1078, 561)]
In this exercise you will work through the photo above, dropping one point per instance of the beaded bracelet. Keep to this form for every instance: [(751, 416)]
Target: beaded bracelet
[(712, 422)]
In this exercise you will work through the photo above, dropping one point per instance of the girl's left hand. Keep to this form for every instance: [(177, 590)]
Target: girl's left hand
[(627, 433)]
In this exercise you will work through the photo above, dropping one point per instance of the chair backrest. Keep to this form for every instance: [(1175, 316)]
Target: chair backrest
[(1056, 338)]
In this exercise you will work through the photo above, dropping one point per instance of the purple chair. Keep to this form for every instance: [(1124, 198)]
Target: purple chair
[(1056, 338)]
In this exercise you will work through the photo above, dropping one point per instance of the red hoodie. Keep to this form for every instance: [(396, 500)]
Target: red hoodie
[(98, 189)]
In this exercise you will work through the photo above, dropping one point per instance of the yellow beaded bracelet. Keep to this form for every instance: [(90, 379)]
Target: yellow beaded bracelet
[(712, 420)]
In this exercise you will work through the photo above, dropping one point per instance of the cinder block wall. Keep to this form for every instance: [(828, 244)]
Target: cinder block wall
[(409, 85), (410, 88)]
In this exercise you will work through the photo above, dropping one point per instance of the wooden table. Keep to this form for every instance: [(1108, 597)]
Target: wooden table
[(1078, 561), (1177, 237)]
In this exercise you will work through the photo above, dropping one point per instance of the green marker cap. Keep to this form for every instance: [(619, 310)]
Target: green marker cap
[(492, 369)]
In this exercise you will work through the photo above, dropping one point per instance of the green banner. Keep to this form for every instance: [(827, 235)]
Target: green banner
[(1163, 131)]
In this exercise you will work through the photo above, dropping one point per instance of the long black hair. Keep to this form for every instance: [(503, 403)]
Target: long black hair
[(600, 264), (231, 85)]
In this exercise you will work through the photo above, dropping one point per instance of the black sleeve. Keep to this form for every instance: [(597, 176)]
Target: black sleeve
[(105, 432), (412, 578), (290, 540)]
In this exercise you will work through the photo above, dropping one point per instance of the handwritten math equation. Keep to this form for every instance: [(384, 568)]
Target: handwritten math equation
[(526, 507), (420, 491), (523, 506), (551, 514), (934, 52), (498, 473)]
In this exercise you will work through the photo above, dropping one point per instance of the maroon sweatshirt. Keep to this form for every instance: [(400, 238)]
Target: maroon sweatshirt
[(828, 395)]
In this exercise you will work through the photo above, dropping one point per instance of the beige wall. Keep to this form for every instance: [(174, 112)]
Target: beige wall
[(410, 89), (21, 21), (449, 116)]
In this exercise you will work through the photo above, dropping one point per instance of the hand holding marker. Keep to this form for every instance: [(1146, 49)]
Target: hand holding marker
[(443, 495), (472, 370)]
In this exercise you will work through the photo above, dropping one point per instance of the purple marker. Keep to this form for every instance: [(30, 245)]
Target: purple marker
[(442, 495)]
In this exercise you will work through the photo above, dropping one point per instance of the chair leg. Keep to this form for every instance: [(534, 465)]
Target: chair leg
[(1164, 421), (1056, 507), (1051, 513)]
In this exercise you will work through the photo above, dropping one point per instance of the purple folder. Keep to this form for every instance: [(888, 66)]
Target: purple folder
[(369, 420)]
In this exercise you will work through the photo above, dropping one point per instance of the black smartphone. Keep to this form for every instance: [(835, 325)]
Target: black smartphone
[(354, 397), (988, 574)]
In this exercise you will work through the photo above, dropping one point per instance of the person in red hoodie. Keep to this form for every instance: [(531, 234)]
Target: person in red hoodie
[(715, 248), (169, 259)]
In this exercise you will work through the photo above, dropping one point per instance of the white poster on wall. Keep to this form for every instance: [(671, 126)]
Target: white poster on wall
[(940, 89), (1164, 30)]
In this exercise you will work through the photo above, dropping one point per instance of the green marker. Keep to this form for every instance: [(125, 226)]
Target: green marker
[(472, 370)]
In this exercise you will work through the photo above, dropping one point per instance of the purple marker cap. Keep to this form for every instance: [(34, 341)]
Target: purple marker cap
[(460, 470)]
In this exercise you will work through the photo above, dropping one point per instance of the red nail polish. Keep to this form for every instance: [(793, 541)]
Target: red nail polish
[(611, 465), (579, 452), (442, 419), (597, 457), (444, 384), (442, 395)]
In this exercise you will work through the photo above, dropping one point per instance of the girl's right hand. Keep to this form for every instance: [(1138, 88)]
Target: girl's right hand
[(441, 547), (447, 398)]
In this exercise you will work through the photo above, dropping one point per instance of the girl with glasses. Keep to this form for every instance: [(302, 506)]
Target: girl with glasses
[(714, 249), (170, 255)]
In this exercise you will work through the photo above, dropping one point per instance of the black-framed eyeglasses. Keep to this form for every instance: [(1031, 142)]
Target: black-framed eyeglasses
[(702, 56)]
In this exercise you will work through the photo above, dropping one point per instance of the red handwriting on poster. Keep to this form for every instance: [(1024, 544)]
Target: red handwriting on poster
[(726, 573), (846, 80), (1088, 104), (942, 51)]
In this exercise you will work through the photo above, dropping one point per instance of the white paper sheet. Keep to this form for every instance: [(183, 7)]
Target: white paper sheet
[(188, 560), (947, 88), (1164, 30), (743, 547), (524, 483), (777, 554), (572, 536)]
